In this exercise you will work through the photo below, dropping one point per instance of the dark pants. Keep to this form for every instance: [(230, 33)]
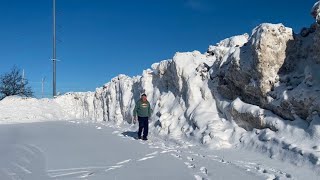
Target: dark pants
[(143, 124)]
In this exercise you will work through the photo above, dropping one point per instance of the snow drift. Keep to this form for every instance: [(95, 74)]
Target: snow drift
[(259, 92)]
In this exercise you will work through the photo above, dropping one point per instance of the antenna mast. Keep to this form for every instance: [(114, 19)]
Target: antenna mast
[(54, 58)]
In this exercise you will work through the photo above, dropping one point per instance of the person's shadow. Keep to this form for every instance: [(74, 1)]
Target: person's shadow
[(132, 134)]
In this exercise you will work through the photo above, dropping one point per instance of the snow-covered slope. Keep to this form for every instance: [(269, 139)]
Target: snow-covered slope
[(259, 92)]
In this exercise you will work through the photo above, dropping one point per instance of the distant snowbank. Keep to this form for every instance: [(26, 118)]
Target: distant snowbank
[(16, 109), (24, 110)]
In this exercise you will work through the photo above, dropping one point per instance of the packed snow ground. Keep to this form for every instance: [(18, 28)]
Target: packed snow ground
[(80, 149)]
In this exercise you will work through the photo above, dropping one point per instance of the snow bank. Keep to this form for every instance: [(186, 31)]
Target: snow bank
[(24, 110), (70, 106)]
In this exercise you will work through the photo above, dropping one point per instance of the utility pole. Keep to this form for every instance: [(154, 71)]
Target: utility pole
[(42, 86), (54, 58)]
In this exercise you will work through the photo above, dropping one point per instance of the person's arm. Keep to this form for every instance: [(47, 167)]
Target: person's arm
[(149, 111)]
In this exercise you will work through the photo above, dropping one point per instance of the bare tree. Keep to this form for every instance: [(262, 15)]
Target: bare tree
[(12, 83)]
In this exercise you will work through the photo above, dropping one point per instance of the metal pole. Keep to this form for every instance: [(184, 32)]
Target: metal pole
[(54, 49), (42, 87)]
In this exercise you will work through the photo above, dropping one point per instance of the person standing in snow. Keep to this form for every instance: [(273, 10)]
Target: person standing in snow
[(143, 111)]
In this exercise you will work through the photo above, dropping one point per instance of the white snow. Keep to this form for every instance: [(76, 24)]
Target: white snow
[(77, 150), (315, 11)]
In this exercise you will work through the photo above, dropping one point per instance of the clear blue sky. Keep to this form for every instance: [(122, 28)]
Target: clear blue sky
[(99, 39)]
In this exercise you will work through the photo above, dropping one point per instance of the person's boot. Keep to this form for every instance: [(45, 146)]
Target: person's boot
[(145, 138)]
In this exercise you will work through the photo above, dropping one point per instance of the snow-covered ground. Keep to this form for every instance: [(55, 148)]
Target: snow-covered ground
[(80, 149)]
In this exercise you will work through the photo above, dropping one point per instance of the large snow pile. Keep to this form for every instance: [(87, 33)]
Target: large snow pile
[(259, 92), (16, 109)]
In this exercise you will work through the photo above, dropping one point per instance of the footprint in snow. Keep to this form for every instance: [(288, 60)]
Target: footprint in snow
[(198, 177), (260, 169), (176, 155), (224, 162), (190, 158), (204, 170), (120, 135), (86, 175), (154, 147), (199, 155), (190, 165), (115, 132)]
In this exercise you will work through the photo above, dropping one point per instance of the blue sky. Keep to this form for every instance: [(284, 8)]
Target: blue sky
[(99, 39)]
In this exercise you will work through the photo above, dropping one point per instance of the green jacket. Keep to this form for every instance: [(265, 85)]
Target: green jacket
[(142, 109)]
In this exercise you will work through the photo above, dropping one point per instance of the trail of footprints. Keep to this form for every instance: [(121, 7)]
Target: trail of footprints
[(200, 172)]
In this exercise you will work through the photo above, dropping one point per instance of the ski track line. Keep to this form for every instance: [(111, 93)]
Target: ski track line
[(68, 174), (113, 168), (89, 171), (24, 169), (145, 158), (78, 169), (151, 154), (125, 161)]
